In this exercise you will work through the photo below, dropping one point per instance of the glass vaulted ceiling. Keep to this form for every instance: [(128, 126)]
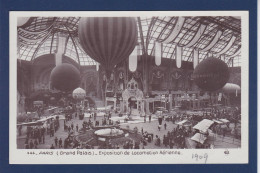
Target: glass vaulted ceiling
[(40, 37)]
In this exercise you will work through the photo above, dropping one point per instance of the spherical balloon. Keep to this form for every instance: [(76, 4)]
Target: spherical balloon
[(65, 77), (79, 94), (231, 88), (22, 21), (211, 74), (108, 40)]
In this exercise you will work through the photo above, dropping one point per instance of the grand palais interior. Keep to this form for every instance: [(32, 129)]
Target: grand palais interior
[(129, 82)]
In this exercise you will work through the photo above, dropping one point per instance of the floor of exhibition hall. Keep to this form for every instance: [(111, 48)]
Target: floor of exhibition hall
[(218, 141)]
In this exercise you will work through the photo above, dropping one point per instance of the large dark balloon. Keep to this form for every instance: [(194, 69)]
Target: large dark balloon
[(108, 40), (211, 74), (65, 77)]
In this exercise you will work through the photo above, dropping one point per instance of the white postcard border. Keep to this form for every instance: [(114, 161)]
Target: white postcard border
[(186, 156)]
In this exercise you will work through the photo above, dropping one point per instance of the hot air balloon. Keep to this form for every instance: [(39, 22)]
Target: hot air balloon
[(79, 94), (65, 77), (21, 21), (211, 74), (108, 40)]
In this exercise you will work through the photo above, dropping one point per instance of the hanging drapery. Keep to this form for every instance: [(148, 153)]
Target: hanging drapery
[(158, 53), (195, 58), (235, 54), (97, 66), (228, 46), (178, 56), (197, 35), (175, 31), (213, 41), (61, 48), (133, 59)]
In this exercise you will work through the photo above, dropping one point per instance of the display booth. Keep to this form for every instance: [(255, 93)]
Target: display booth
[(133, 101)]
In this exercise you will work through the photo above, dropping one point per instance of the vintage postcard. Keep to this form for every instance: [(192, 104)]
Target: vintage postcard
[(129, 87)]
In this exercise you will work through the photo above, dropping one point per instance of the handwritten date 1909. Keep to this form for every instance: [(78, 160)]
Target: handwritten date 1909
[(201, 157)]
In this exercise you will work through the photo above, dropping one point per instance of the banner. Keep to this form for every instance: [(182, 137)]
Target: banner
[(133, 59), (178, 56), (175, 32), (158, 53), (228, 46), (195, 58), (197, 36)]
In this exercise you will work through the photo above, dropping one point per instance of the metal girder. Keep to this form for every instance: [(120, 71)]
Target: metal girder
[(52, 41), (141, 34), (222, 24), (72, 39), (148, 32), (163, 30), (37, 49)]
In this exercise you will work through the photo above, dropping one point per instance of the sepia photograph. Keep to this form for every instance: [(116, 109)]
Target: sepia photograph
[(140, 82)]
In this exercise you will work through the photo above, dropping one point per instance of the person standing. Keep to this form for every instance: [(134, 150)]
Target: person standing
[(171, 144), (52, 132), (95, 116), (52, 146), (164, 141), (77, 127), (165, 125), (35, 143), (72, 126), (60, 143), (43, 139), (150, 118), (31, 144), (56, 141), (160, 118)]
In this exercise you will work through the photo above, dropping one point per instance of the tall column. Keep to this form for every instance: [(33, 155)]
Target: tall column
[(175, 101), (142, 107), (127, 106), (170, 101), (147, 107), (121, 105), (114, 104)]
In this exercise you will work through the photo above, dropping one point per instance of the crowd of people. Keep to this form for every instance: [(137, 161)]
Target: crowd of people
[(175, 137), (35, 135)]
